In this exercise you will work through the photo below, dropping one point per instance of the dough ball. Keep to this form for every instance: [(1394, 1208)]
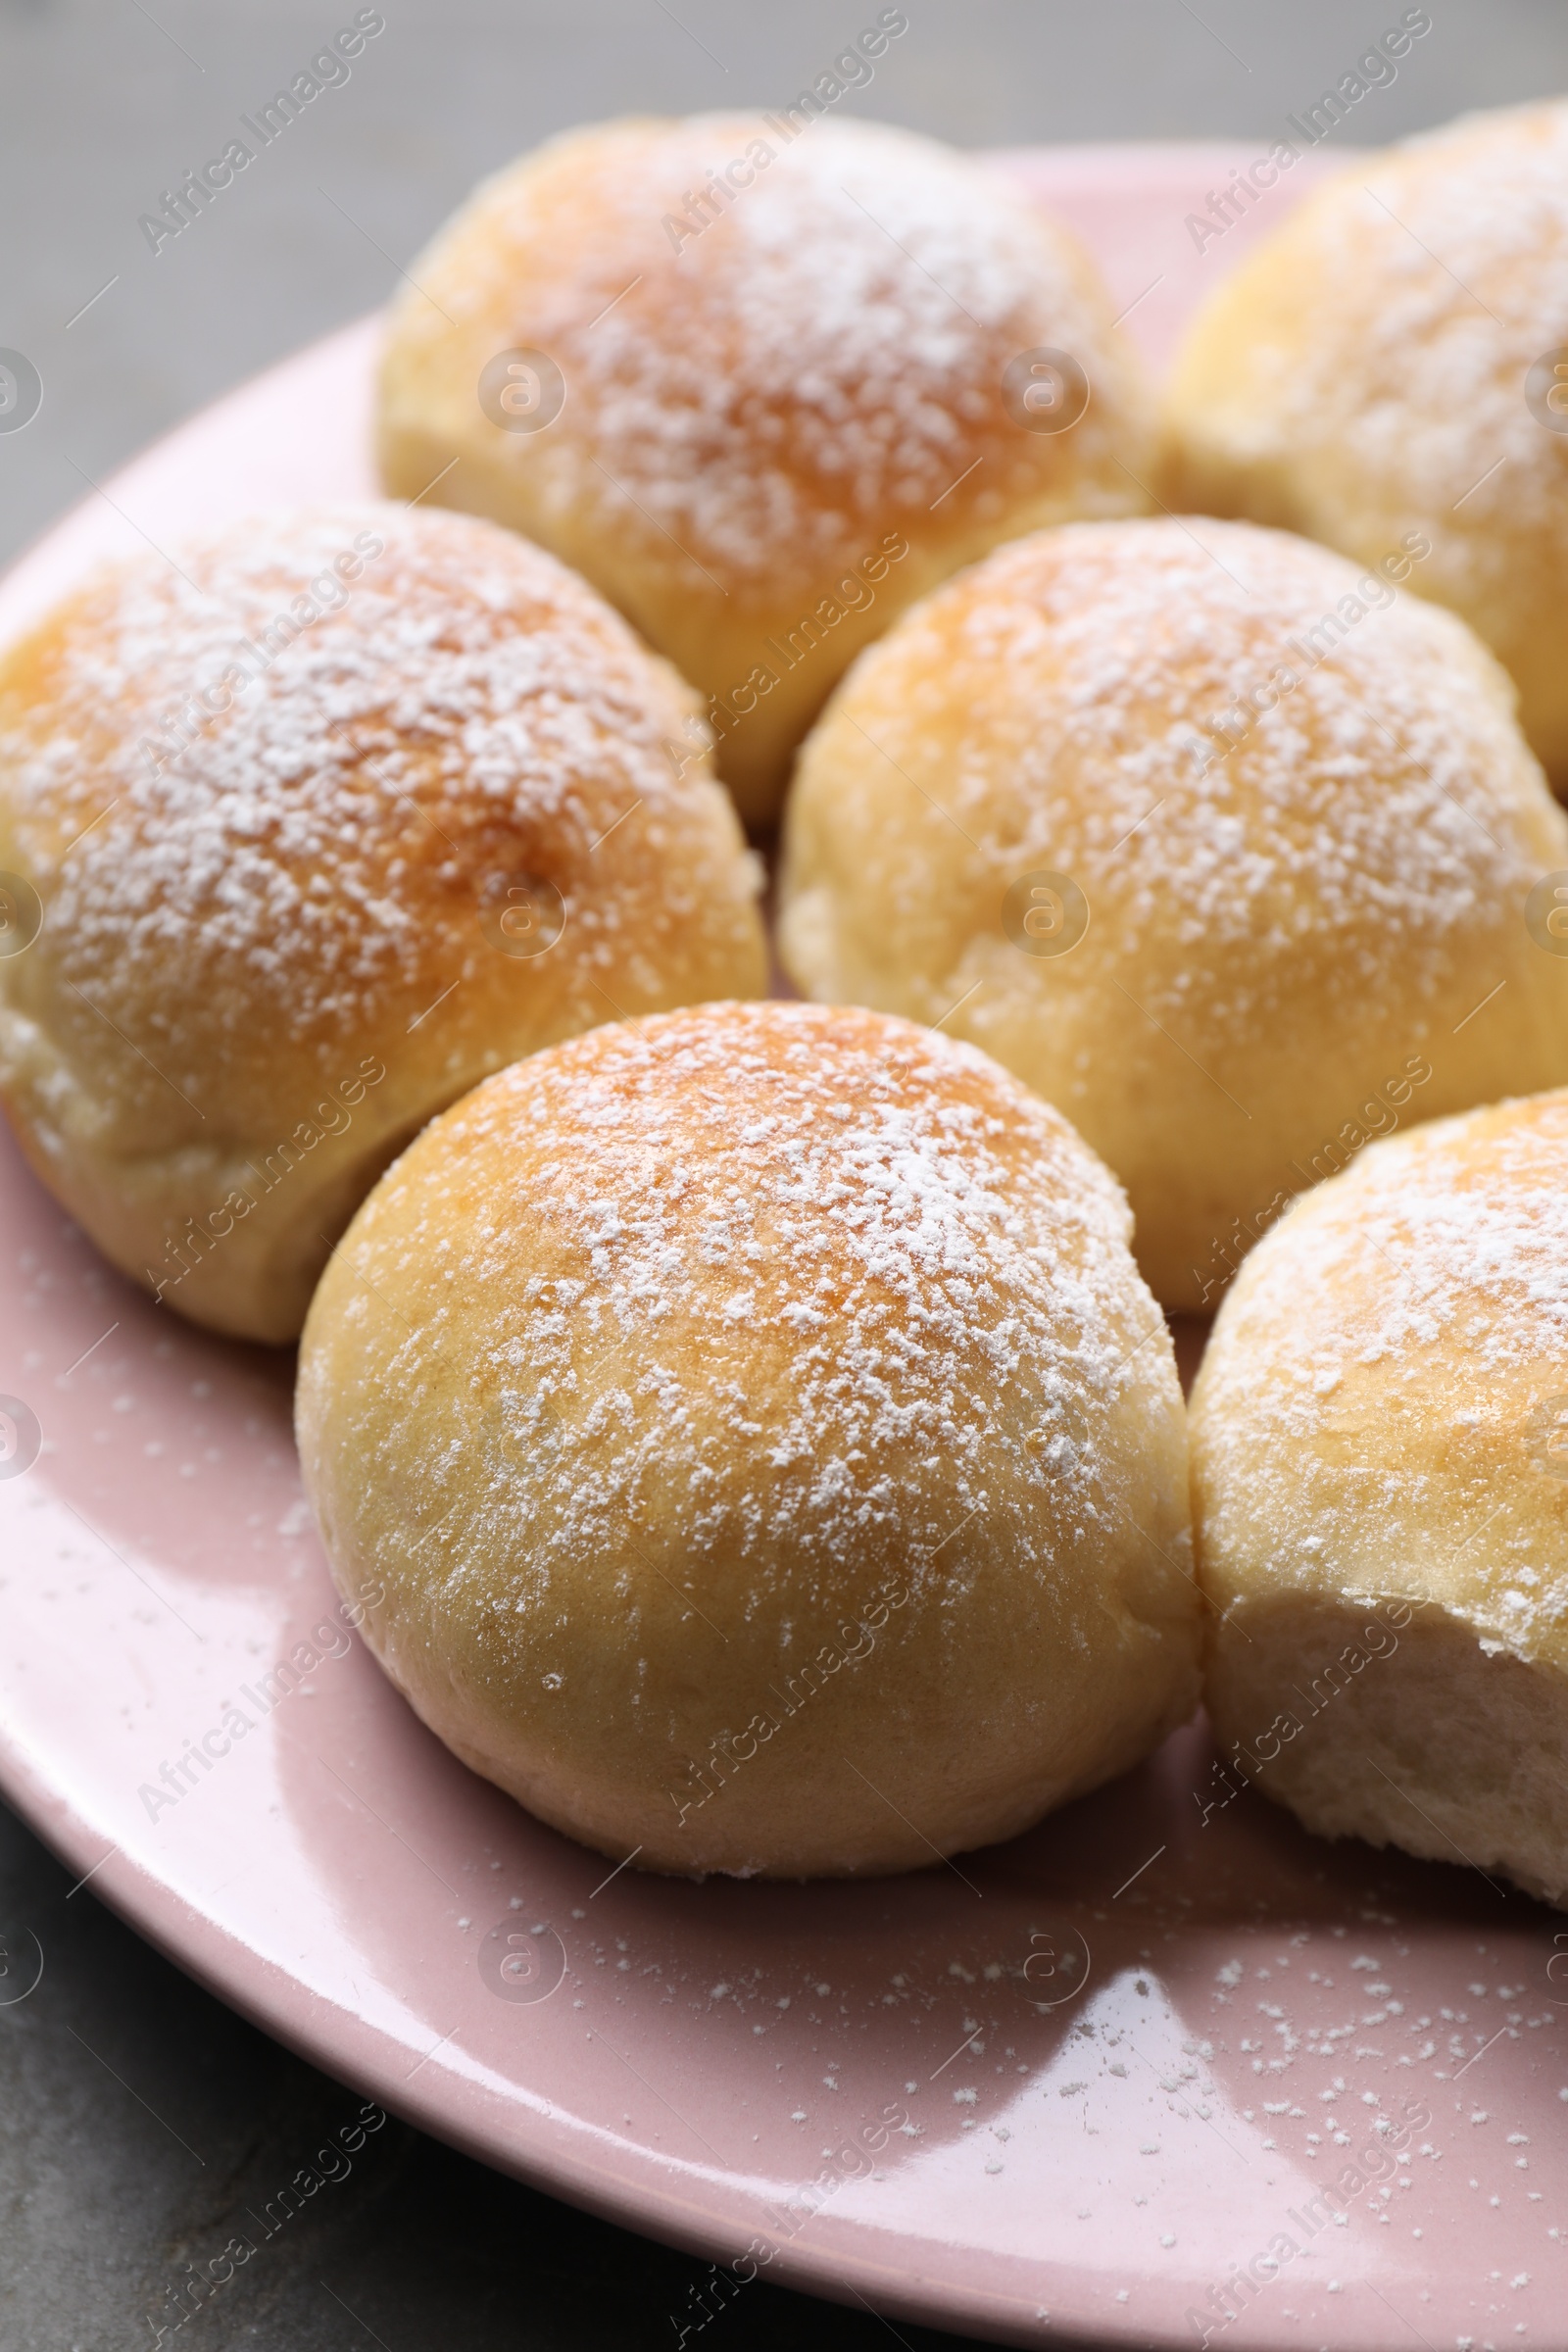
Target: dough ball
[(763, 379), (1225, 847), (769, 1455), (316, 821), (1380, 1459), (1394, 359)]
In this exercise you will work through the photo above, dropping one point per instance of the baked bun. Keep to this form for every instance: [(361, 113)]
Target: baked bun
[(1394, 359), (1380, 1458), (425, 818), (769, 1454), (1222, 847), (763, 388)]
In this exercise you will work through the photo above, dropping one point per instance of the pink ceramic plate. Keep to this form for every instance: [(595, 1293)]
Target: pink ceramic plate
[(1063, 2088)]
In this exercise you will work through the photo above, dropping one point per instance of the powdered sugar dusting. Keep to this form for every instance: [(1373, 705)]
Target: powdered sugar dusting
[(1383, 1381), (1453, 1238), (774, 1260), (377, 739), (1369, 371), (1447, 266), (783, 376), (1377, 802)]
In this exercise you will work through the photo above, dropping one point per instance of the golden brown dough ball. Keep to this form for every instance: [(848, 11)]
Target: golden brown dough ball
[(323, 818), (767, 1451), (1224, 847), (763, 379), (1394, 359), (1380, 1481)]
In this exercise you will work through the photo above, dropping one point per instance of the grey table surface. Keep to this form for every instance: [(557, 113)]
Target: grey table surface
[(136, 2112)]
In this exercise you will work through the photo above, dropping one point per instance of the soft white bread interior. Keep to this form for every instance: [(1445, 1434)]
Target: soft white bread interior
[(1380, 1482)]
